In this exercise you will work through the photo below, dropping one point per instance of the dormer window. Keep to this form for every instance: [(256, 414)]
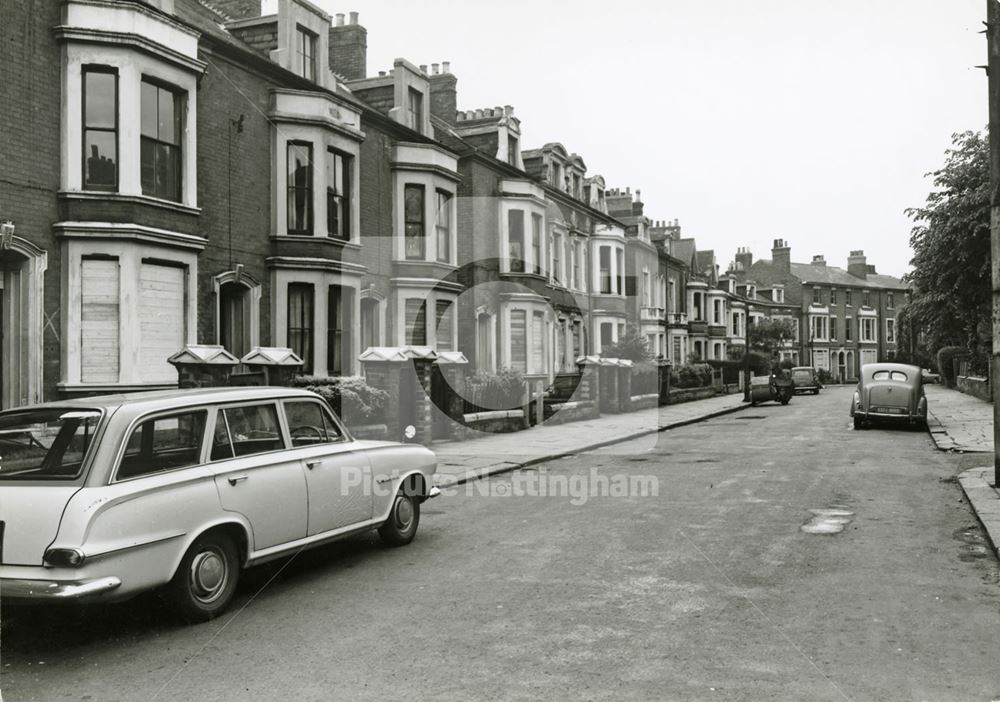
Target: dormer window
[(577, 183), (415, 106), (512, 147), (305, 47), (778, 295), (557, 175)]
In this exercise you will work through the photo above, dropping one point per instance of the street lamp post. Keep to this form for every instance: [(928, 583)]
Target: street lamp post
[(993, 83), (746, 354)]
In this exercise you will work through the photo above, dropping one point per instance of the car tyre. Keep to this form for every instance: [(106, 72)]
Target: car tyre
[(205, 581), (858, 423), (404, 517)]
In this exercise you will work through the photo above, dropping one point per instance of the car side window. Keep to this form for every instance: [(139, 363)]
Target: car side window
[(308, 424), (163, 443), (246, 430)]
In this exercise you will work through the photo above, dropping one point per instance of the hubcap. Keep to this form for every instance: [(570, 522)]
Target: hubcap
[(404, 513), (208, 575)]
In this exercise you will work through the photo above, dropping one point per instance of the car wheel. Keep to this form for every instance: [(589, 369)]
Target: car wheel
[(858, 424), (784, 400), (401, 526), (205, 582)]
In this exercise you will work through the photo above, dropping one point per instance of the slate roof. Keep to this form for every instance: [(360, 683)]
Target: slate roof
[(831, 275), (704, 261), (683, 249)]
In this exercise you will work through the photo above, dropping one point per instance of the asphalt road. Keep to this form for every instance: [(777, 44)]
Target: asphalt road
[(726, 585)]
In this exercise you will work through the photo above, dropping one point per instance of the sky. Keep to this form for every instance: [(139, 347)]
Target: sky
[(813, 122)]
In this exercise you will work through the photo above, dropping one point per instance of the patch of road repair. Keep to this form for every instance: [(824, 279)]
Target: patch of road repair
[(827, 521)]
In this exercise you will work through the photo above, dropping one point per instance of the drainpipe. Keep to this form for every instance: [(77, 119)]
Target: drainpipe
[(993, 75)]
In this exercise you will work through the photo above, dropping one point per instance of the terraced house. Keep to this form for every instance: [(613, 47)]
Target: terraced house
[(846, 317), (229, 173)]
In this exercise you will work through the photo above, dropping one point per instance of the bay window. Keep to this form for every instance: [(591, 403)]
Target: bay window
[(299, 188), (100, 319), (301, 322), (100, 128), (338, 326), (536, 241), (338, 194), (515, 240), (605, 269), (556, 258), (160, 117), (445, 322), (416, 321), (519, 340), (890, 331), (414, 231), (443, 226)]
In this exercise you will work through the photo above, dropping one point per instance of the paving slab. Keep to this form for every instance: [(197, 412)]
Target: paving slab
[(979, 488), (959, 422)]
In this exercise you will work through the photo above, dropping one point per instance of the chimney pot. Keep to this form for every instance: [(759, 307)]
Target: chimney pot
[(423, 68), (340, 19), (446, 66), (381, 74), (354, 18), (434, 68)]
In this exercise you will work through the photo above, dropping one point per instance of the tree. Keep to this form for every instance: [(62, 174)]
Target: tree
[(951, 288), (632, 346), (768, 335)]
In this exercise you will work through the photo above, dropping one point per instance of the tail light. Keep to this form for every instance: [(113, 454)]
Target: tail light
[(65, 557)]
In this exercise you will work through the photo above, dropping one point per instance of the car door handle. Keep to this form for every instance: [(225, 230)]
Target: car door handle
[(237, 479), (312, 464)]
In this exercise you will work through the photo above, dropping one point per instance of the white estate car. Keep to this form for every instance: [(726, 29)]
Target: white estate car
[(104, 497)]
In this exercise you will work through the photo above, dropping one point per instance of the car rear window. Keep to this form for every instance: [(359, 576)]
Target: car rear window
[(889, 375), (164, 443), (804, 374), (46, 444)]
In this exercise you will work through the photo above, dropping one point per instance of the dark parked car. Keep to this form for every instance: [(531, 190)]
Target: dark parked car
[(893, 392), (805, 380)]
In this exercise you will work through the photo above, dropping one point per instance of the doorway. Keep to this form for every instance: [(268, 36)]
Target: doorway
[(22, 267)]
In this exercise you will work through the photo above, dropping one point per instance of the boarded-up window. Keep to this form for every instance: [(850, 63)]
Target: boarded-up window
[(444, 325), (416, 322), (99, 342), (161, 320), (518, 341), (538, 342)]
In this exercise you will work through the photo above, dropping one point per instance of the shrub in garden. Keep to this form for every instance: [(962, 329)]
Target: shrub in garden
[(645, 378), (495, 391), (692, 375), (351, 397)]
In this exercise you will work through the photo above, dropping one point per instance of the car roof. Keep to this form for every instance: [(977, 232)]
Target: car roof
[(153, 400)]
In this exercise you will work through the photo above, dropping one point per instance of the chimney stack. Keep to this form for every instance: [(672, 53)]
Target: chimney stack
[(781, 256), (444, 93), (744, 259), (819, 260), (349, 48), (857, 264)]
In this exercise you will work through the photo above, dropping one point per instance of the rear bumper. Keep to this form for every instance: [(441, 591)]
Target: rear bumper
[(27, 590), (900, 418)]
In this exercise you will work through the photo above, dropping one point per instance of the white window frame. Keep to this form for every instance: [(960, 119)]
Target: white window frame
[(132, 67), (890, 331)]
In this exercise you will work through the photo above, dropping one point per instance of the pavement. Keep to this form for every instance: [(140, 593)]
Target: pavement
[(964, 424), (488, 454)]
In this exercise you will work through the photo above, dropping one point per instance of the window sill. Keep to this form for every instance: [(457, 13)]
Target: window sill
[(322, 239), (108, 196)]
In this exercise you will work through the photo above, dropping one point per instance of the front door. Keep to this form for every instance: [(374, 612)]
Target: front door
[(338, 477)]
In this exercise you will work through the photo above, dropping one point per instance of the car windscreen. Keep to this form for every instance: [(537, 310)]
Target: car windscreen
[(802, 375), (46, 444)]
